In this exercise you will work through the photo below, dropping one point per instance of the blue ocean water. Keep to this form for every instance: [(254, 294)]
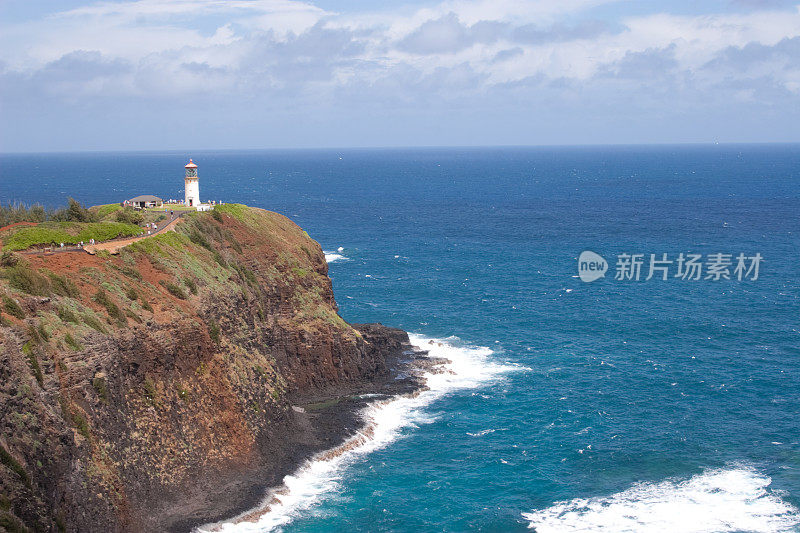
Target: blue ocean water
[(658, 405)]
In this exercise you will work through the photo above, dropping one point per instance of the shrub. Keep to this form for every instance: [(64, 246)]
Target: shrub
[(197, 238), (130, 314), (93, 323), (42, 331), (12, 307), (150, 392), (8, 460), (213, 330), (9, 259), (129, 216), (131, 294), (63, 286), (33, 362), (77, 213), (146, 306), (219, 259), (66, 315), (100, 386), (23, 278), (132, 273), (80, 423), (111, 308), (173, 289), (216, 214), (72, 343), (191, 284)]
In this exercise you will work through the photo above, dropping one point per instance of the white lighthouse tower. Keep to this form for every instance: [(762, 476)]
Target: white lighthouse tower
[(192, 186)]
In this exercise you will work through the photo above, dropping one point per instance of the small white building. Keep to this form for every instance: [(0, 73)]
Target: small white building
[(144, 201)]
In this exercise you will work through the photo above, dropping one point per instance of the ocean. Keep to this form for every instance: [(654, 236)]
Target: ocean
[(620, 405)]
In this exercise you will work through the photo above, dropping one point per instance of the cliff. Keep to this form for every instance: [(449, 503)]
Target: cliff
[(162, 387)]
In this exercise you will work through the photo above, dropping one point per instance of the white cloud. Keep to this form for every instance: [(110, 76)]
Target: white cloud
[(481, 52)]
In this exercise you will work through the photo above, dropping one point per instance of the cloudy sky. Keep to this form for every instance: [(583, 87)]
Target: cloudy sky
[(196, 74)]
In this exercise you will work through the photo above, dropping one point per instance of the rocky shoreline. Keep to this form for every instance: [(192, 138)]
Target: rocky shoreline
[(324, 422)]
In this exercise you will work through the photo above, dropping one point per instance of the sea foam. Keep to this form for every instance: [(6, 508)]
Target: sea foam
[(384, 422), (716, 501), (332, 257)]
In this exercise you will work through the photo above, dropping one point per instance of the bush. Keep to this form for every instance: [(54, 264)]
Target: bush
[(189, 282), (80, 423), (216, 214), (131, 294), (63, 286), (132, 273), (130, 314), (146, 306), (129, 216), (93, 323), (23, 278), (100, 386), (213, 330), (150, 392), (77, 213), (9, 259), (43, 334), (173, 289), (66, 315), (12, 307), (111, 308), (8, 460), (72, 343), (33, 362)]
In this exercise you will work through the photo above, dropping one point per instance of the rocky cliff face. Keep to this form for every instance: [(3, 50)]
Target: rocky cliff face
[(154, 390)]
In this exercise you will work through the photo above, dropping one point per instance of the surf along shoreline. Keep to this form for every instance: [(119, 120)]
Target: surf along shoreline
[(430, 369), (324, 424)]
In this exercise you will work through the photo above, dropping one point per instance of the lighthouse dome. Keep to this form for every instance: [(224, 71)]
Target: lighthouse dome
[(190, 165)]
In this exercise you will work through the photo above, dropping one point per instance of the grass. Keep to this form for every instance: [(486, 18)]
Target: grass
[(53, 233)]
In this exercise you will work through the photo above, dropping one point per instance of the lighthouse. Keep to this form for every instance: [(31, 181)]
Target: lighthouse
[(192, 186)]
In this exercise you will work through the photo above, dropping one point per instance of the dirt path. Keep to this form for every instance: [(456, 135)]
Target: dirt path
[(113, 247)]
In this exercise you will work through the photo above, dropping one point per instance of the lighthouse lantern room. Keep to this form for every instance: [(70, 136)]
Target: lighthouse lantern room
[(192, 186)]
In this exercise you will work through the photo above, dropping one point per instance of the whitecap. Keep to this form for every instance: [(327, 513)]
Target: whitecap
[(385, 421), (332, 257), (716, 501)]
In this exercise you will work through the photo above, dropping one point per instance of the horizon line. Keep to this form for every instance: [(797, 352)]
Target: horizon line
[(403, 147)]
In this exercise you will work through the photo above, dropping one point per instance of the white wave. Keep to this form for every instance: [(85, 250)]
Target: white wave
[(716, 501), (468, 367), (332, 257)]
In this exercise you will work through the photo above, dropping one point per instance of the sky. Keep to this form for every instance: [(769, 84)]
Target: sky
[(251, 74)]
